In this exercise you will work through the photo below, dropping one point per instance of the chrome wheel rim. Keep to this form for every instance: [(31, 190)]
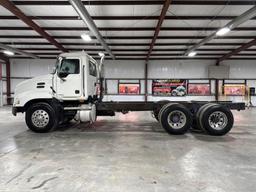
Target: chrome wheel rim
[(177, 119), (40, 118), (218, 120)]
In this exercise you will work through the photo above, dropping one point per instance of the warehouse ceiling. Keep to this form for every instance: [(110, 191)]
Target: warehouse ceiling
[(129, 26)]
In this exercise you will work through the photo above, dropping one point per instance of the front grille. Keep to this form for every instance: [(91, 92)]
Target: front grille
[(40, 85)]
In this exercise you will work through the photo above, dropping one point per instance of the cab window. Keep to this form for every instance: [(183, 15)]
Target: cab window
[(92, 69), (71, 66)]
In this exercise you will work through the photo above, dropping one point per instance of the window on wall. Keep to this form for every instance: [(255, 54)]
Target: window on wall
[(129, 88), (92, 69)]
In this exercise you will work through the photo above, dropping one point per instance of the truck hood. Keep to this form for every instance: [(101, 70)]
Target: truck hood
[(38, 84)]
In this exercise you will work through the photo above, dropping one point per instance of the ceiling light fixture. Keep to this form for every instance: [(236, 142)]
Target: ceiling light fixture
[(192, 54), (6, 52), (86, 37), (223, 31)]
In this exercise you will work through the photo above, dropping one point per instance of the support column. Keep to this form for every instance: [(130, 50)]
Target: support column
[(146, 81), (1, 86), (0, 71), (217, 90), (8, 82)]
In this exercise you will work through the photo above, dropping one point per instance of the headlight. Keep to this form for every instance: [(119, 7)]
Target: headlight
[(16, 101)]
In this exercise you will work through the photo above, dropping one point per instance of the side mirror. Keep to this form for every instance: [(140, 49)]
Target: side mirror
[(53, 70), (63, 74)]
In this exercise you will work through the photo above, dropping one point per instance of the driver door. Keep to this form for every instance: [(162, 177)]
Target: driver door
[(70, 87)]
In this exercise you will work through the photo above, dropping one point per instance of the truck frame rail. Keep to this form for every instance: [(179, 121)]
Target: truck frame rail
[(150, 106)]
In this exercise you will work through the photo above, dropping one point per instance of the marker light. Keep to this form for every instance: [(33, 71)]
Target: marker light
[(223, 31), (86, 37)]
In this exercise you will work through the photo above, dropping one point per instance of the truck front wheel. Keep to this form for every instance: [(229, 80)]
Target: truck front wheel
[(41, 118)]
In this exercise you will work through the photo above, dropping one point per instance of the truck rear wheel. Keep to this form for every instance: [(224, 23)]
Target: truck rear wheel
[(157, 110), (156, 114), (41, 118), (196, 122), (175, 118), (216, 120)]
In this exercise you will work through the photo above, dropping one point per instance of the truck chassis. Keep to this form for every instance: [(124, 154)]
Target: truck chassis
[(214, 118), (75, 91)]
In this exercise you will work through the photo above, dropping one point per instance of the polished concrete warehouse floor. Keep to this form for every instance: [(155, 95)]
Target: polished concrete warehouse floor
[(126, 153)]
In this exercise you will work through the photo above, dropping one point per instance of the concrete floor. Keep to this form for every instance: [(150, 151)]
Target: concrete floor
[(126, 153)]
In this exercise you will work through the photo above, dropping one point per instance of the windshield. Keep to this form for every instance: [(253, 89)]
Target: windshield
[(66, 65), (70, 66)]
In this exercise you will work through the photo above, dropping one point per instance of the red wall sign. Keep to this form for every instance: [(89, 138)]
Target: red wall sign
[(199, 89), (129, 88), (169, 87), (233, 90)]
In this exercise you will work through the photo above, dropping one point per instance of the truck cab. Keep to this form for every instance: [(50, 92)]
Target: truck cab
[(75, 77), (71, 88)]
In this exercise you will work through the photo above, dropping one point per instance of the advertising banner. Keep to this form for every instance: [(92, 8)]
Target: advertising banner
[(169, 87), (199, 89), (129, 88), (234, 90)]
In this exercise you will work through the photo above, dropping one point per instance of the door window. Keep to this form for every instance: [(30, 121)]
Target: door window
[(71, 66), (92, 69)]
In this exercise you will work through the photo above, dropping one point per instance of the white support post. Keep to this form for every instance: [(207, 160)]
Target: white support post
[(1, 93), (1, 87)]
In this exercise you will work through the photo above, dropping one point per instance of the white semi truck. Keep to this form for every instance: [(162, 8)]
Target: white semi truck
[(75, 90)]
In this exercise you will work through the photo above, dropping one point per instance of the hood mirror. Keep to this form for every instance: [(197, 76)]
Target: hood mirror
[(54, 70)]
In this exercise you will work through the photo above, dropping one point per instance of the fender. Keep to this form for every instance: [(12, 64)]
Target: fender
[(23, 98), (37, 88)]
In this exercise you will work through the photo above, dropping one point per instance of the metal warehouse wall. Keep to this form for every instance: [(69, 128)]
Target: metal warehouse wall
[(175, 69), (27, 68)]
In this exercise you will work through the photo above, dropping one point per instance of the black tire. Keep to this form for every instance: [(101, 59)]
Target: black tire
[(196, 121), (69, 119), (157, 110), (195, 125), (66, 121), (50, 119), (163, 108), (225, 119), (179, 109), (156, 113)]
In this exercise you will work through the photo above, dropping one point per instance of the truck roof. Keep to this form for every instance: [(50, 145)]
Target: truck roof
[(76, 54)]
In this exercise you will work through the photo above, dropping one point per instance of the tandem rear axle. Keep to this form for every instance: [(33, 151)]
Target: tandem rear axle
[(215, 118)]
